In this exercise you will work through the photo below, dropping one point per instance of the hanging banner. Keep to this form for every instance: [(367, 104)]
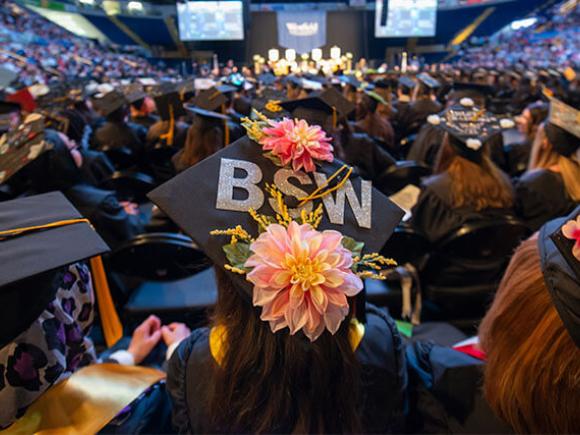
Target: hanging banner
[(302, 30)]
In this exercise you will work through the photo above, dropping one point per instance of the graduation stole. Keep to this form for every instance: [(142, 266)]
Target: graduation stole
[(87, 401)]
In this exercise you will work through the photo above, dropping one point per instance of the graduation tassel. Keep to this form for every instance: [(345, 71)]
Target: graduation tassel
[(168, 137), (112, 327), (226, 129), (334, 117)]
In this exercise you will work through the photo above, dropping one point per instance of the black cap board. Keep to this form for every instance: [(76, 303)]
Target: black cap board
[(133, 92), (218, 192), (407, 82), (428, 81), (319, 106), (30, 252), (110, 102), (560, 261), (563, 127)]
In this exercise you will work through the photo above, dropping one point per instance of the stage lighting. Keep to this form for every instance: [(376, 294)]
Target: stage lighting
[(290, 55), (273, 55), (135, 6), (335, 53), (316, 54), (87, 2)]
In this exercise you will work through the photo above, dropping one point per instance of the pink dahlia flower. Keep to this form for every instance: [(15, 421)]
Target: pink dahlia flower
[(302, 278), (297, 142), (571, 230)]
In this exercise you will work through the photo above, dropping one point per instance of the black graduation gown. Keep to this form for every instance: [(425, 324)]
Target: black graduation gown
[(541, 196), (108, 217), (145, 121), (380, 355), (367, 156), (434, 216), (445, 393), (401, 120), (96, 166)]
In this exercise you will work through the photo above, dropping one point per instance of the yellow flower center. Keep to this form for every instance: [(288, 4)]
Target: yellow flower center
[(305, 272)]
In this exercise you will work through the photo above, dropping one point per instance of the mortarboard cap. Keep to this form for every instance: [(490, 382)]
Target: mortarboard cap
[(226, 89), (378, 98), (559, 246), (133, 92), (469, 127), (269, 104), (202, 84), (110, 102), (31, 252), (167, 104), (311, 85), (211, 99), (232, 181), (267, 79), (316, 108), (350, 80), (407, 82), (186, 89), (21, 146), (563, 127), (428, 81)]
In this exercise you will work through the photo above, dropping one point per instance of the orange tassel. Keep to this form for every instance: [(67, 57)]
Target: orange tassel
[(112, 327)]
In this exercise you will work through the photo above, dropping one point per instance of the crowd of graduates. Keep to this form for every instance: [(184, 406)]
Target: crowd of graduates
[(388, 252)]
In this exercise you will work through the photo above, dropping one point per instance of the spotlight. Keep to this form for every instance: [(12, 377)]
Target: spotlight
[(316, 54), (335, 53), (290, 55), (273, 55)]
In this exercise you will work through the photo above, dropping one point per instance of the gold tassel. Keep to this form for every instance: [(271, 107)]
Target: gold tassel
[(334, 117), (169, 135), (112, 327), (226, 129)]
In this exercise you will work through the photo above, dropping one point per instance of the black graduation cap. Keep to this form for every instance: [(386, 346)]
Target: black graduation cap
[(211, 99), (293, 80), (469, 127), (269, 104), (168, 104), (186, 89), (407, 82), (233, 180), (378, 98), (110, 102), (64, 237), (428, 81), (318, 107), (267, 79), (350, 80), (133, 92), (226, 89), (21, 146), (560, 261), (563, 127)]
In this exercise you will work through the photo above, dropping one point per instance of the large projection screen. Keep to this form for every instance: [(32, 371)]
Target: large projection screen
[(405, 18), (211, 20)]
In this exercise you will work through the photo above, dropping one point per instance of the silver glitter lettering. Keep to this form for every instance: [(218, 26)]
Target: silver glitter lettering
[(281, 178), (335, 209), (226, 184)]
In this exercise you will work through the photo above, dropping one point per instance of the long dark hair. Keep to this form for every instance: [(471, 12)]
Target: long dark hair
[(274, 382), (204, 138)]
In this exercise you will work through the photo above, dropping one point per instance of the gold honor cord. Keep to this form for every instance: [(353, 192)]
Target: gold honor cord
[(112, 327), (85, 402), (168, 137)]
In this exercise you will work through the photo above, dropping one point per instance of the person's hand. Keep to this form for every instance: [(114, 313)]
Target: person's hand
[(174, 333), (130, 207), (145, 338)]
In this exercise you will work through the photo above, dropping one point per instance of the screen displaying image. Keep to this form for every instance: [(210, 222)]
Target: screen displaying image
[(210, 20), (405, 18)]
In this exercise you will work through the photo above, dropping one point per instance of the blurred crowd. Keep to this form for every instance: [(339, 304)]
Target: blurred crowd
[(41, 52)]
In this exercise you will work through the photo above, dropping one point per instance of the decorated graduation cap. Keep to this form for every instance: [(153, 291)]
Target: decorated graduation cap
[(428, 81), (21, 146), (269, 103), (469, 127), (318, 107), (133, 92), (110, 102), (33, 235), (559, 245), (563, 128), (286, 220)]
